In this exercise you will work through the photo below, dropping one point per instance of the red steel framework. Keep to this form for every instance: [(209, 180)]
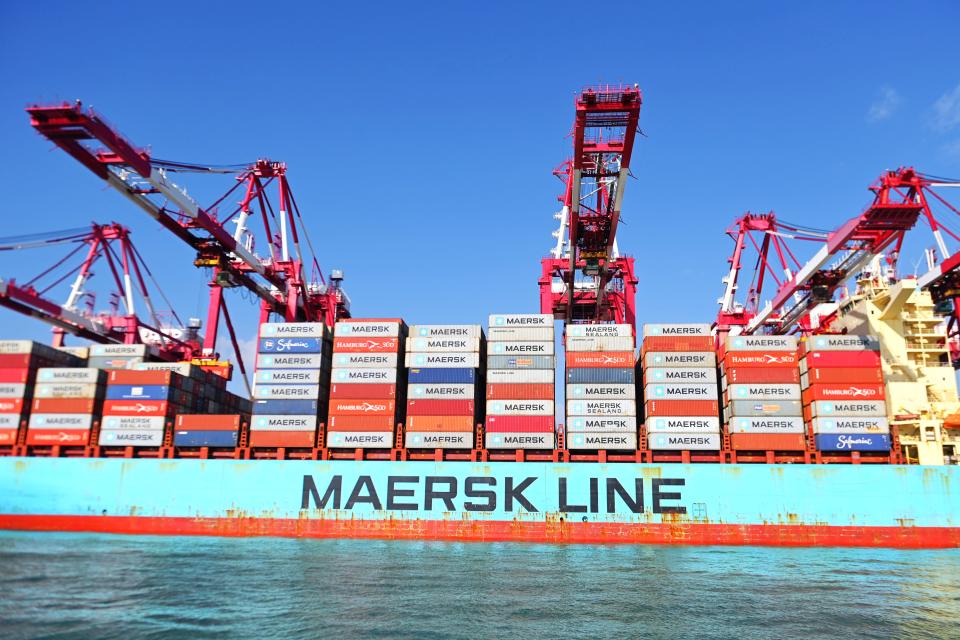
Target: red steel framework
[(586, 280), (900, 198)]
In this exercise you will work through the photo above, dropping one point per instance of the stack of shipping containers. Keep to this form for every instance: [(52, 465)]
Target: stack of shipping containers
[(843, 393), (679, 372), (141, 405), (67, 404), (219, 413), (367, 396), (521, 384), (117, 356), (761, 391), (291, 383), (19, 362), (445, 377), (602, 407)]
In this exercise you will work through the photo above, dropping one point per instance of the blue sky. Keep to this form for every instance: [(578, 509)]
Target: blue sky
[(420, 139)]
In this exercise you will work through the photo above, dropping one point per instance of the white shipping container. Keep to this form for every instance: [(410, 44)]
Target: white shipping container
[(763, 392), (60, 421), (119, 350), (136, 423), (17, 347), (521, 320), (520, 407), (286, 391), (272, 422), (439, 439), (10, 420), (601, 407), (544, 440), (443, 344), (850, 424), (856, 408), (81, 352), (601, 391), (443, 360), (67, 390), (600, 424), (294, 330), (843, 343), (86, 375), (288, 376), (442, 391), (599, 344), (12, 389), (672, 359), (683, 424), (114, 362), (446, 331), (360, 439), (520, 376), (365, 360), (521, 348), (290, 361), (365, 376), (761, 343), (600, 331), (766, 424), (184, 369), (131, 438), (520, 334), (684, 441), (608, 441), (367, 329), (681, 375), (680, 392), (680, 330)]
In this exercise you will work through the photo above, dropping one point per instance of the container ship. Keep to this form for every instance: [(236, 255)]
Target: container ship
[(827, 416)]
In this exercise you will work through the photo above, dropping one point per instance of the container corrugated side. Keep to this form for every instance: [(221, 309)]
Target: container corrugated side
[(761, 391), (419, 407), (446, 331), (684, 442), (602, 424), (442, 391), (366, 345), (599, 375), (291, 361), (134, 423), (876, 408), (288, 376), (599, 344), (761, 343), (443, 360), (675, 329), (294, 330), (851, 442), (355, 391), (844, 342), (520, 391), (60, 421), (600, 359), (761, 359), (365, 376), (606, 441), (520, 408), (843, 375), (521, 362), (360, 439), (850, 424), (207, 422), (298, 439), (520, 320), (601, 391), (439, 440), (764, 408), (683, 424), (681, 375), (519, 424), (361, 407), (131, 438), (605, 407), (671, 359), (521, 440), (600, 331), (367, 329), (843, 392), (280, 422), (361, 423), (681, 408), (677, 343), (520, 376), (843, 359), (84, 375), (437, 424), (461, 375), (766, 424), (767, 442), (366, 360), (521, 348), (444, 344), (16, 390), (518, 334), (682, 391), (63, 437), (769, 375), (218, 438)]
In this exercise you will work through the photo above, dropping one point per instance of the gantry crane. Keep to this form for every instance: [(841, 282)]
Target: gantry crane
[(585, 279)]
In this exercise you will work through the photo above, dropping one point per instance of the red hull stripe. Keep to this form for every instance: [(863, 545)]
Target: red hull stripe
[(687, 533)]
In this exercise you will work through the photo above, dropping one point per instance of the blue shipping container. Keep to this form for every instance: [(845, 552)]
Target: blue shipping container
[(138, 392), (285, 407), (853, 442), (600, 375), (290, 345), (205, 438), (442, 376)]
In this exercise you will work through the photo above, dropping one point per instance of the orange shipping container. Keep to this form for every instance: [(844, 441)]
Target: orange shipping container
[(360, 423), (64, 405), (208, 422), (130, 376), (604, 359), (282, 438), (678, 343), (366, 345), (70, 437), (761, 359), (362, 407), (843, 375), (8, 436), (853, 391), (440, 423), (764, 375), (707, 408), (128, 408), (767, 441), (11, 405), (520, 391)]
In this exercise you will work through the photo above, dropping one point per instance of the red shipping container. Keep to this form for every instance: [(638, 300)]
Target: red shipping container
[(18, 361), (131, 408), (843, 375), (678, 343), (520, 391), (603, 359), (15, 376), (363, 407), (843, 392), (843, 359), (208, 422), (767, 441), (64, 405), (303, 439), (520, 424), (762, 375), (682, 408), (784, 359), (8, 436), (129, 376), (15, 405), (53, 436), (356, 391), (440, 407), (366, 345), (361, 423), (447, 424)]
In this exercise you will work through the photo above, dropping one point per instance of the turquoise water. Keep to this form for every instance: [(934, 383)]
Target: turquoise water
[(93, 586)]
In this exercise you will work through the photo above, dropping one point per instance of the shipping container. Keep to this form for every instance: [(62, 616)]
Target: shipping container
[(683, 424), (268, 422), (521, 348), (361, 423), (15, 376), (684, 441), (520, 376), (521, 320), (119, 350), (286, 391), (130, 438), (68, 374), (444, 344), (22, 347), (842, 375), (442, 391), (600, 424), (767, 442), (520, 334), (520, 408), (354, 391), (753, 375), (600, 331), (443, 360), (62, 437), (59, 405), (285, 407), (366, 360), (288, 376), (605, 407), (766, 424), (361, 407), (129, 377), (114, 362), (850, 424), (519, 424), (440, 423), (521, 362), (850, 442), (66, 390), (207, 422), (848, 408), (763, 392), (280, 361), (138, 392), (8, 436), (290, 345), (841, 343), (607, 441), (366, 345), (14, 390), (681, 408), (599, 375), (681, 375), (599, 344), (439, 440), (463, 375), (770, 359), (219, 438), (682, 330), (677, 343), (365, 376), (520, 391), (521, 440), (760, 343), (683, 392), (601, 359), (136, 423), (601, 391), (185, 369), (66, 421), (699, 359), (10, 420), (842, 359), (764, 408), (446, 331), (417, 407), (294, 330), (843, 392), (360, 439), (367, 329), (294, 439), (15, 361)]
